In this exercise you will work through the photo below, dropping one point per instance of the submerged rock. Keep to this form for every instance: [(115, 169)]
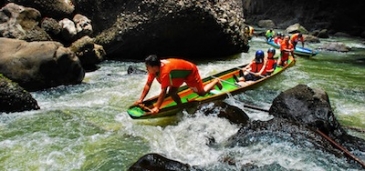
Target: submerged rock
[(156, 162), (303, 118)]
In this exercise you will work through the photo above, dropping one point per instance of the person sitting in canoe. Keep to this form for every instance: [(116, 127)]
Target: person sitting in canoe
[(295, 38), (278, 38), (286, 49), (269, 34), (254, 70), (271, 62), (171, 73)]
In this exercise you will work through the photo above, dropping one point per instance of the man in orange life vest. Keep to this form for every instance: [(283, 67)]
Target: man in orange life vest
[(171, 74), (286, 48), (295, 38)]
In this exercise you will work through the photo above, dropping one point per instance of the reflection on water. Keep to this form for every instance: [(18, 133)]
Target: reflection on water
[(85, 127)]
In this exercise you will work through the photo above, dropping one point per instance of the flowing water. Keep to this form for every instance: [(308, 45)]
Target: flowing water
[(86, 127)]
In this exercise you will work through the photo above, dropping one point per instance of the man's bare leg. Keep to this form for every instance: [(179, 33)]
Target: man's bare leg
[(211, 85), (173, 93)]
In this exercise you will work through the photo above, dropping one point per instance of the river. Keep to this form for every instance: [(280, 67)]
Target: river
[(86, 127)]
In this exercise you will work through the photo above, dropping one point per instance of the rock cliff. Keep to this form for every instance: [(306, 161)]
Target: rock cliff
[(335, 15)]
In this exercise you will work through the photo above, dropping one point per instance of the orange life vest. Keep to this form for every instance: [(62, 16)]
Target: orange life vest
[(285, 54), (256, 67), (270, 64)]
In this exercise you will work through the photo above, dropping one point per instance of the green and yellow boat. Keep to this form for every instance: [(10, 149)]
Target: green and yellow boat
[(191, 99)]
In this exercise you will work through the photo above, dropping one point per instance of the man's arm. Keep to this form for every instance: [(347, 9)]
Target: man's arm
[(263, 67), (145, 91), (161, 97)]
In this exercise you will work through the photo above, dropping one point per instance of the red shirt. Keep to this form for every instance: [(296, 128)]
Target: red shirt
[(295, 38), (278, 40), (174, 72)]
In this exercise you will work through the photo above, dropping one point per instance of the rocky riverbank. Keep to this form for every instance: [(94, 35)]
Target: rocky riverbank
[(49, 43)]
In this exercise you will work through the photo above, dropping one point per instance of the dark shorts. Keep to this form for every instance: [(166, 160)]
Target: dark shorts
[(250, 77), (294, 43)]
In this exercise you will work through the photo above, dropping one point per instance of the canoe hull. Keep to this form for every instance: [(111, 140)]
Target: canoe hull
[(301, 51), (191, 99)]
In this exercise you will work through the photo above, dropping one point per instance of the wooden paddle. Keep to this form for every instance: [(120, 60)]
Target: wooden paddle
[(256, 108), (144, 107), (347, 153)]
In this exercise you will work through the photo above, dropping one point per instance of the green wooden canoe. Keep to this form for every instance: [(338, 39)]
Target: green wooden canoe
[(191, 99)]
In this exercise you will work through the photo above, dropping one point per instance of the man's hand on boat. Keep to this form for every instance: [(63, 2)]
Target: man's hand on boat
[(155, 110), (137, 103)]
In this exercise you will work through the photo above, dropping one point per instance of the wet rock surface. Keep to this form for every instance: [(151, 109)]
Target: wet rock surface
[(302, 116), (14, 98)]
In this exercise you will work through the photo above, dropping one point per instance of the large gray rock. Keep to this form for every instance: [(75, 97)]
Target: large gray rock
[(57, 9), (68, 29), (83, 25), (335, 46), (224, 110), (14, 98), (190, 28), (134, 29), (311, 108), (21, 23), (307, 106), (39, 65), (88, 52), (154, 161), (296, 28)]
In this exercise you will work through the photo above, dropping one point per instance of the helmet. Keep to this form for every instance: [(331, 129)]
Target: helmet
[(300, 35), (259, 56), (280, 34), (271, 50)]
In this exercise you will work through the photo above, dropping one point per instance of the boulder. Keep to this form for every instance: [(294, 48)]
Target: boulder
[(154, 161), (296, 28), (51, 26), (90, 54), (335, 46), (311, 38), (191, 29), (307, 106), (266, 24), (68, 29), (311, 108), (38, 65), (21, 23), (57, 9), (224, 110), (83, 25), (14, 98)]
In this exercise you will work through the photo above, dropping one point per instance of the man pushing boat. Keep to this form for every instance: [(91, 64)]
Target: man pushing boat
[(171, 73)]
